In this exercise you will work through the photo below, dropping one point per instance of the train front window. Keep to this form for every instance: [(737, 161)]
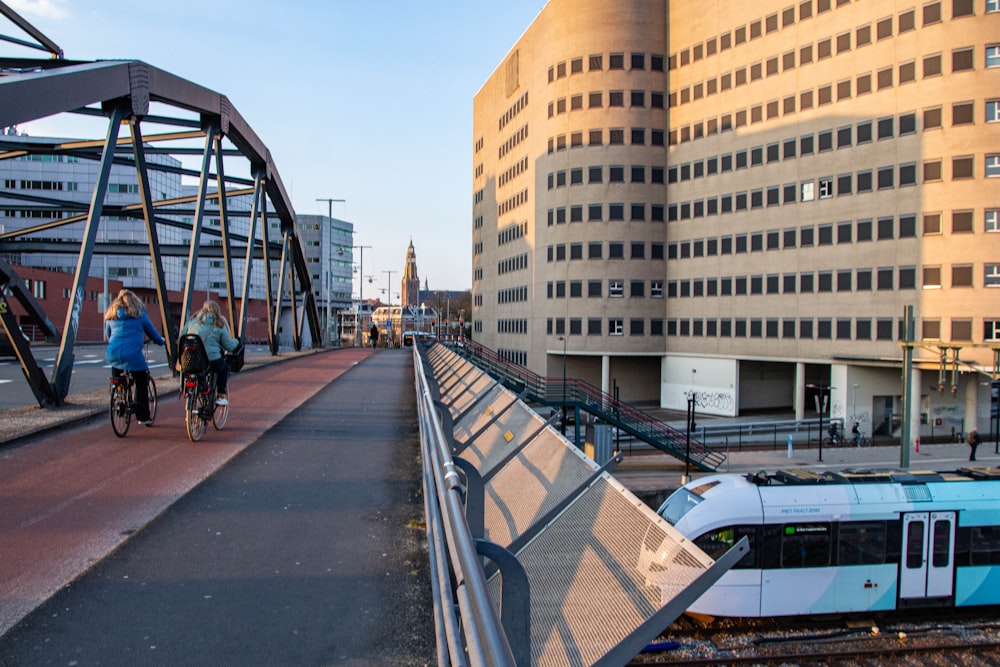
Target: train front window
[(717, 542), (805, 545), (681, 502)]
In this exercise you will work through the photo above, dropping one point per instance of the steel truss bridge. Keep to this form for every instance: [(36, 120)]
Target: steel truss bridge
[(149, 113)]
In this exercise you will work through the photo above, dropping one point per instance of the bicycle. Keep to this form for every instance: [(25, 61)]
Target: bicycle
[(198, 389), (122, 405)]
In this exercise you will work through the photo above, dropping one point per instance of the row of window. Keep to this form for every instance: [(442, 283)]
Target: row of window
[(848, 231), (962, 59), (847, 136), (512, 233), (517, 107), (931, 14), (616, 173), (637, 212), (808, 99), (854, 543), (862, 182), (863, 279), (823, 328), (616, 61), (557, 289), (637, 136), (616, 98), (595, 250), (518, 357), (858, 329)]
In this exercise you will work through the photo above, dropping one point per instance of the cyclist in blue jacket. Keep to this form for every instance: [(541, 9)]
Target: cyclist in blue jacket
[(213, 329), (126, 325)]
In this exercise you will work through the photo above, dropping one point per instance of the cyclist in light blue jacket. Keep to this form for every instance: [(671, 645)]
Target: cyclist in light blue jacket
[(126, 324), (213, 330)]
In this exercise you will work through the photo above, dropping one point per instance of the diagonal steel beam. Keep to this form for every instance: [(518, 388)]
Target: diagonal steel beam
[(196, 224), (153, 238), (63, 371)]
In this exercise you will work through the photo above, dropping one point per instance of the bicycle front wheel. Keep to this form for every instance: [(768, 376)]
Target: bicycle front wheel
[(193, 419), (151, 388), (220, 416), (119, 410)]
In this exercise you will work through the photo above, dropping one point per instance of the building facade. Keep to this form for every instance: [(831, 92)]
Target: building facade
[(740, 200)]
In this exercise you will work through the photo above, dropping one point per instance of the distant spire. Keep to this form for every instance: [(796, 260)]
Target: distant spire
[(411, 279)]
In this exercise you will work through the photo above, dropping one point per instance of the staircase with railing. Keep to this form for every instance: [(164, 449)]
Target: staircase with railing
[(574, 393)]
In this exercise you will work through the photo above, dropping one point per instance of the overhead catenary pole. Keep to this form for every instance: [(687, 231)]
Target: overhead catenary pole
[(327, 261), (904, 440)]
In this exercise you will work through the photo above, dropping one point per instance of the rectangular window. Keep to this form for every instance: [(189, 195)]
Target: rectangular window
[(991, 220)]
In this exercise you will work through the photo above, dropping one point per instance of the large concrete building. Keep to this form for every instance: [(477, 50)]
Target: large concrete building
[(741, 199)]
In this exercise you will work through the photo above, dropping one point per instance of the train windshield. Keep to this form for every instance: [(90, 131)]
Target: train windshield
[(681, 502)]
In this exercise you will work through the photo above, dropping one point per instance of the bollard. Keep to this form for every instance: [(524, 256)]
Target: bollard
[(917, 444), (789, 446)]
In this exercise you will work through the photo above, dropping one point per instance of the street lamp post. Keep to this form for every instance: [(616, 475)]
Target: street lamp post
[(822, 408), (691, 403), (327, 261), (563, 339), (388, 295), (361, 292)]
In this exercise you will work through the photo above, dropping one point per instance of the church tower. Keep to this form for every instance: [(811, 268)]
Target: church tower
[(411, 280)]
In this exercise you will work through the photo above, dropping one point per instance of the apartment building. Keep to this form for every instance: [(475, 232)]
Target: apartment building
[(739, 201)]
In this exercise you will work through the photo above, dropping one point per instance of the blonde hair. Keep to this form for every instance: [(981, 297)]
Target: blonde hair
[(128, 300), (211, 307)]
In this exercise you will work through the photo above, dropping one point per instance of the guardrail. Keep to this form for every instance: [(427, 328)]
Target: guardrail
[(531, 542), (472, 633)]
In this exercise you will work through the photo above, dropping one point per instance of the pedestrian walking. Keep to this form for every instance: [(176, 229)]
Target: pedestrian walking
[(973, 439), (373, 336)]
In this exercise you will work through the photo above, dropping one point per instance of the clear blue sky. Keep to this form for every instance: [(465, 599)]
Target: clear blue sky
[(364, 100)]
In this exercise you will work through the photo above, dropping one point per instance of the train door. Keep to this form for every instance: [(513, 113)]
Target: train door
[(928, 558)]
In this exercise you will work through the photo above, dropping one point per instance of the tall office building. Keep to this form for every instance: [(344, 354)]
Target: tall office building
[(741, 199)]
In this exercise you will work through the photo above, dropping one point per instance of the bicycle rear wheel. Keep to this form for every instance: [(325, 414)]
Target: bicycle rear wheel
[(151, 388), (192, 417), (119, 409)]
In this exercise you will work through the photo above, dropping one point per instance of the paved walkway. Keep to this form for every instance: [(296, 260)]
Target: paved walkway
[(303, 544)]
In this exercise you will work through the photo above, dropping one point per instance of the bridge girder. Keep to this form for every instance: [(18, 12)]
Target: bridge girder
[(125, 92)]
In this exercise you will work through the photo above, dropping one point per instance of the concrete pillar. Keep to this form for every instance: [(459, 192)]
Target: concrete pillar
[(606, 374), (800, 391), (971, 400)]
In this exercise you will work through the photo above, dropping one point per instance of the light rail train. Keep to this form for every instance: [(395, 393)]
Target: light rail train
[(853, 541)]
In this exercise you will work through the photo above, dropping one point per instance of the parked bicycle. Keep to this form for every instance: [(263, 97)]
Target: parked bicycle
[(198, 389), (123, 406)]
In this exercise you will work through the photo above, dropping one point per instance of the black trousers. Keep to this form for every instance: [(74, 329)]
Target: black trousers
[(141, 392), (221, 370)]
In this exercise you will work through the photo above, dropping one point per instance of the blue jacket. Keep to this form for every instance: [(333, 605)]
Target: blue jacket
[(216, 339), (125, 339)]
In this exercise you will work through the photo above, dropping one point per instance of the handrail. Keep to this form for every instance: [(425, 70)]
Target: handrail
[(576, 392), (485, 643)]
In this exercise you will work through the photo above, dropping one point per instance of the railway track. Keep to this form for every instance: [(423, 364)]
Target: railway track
[(921, 638)]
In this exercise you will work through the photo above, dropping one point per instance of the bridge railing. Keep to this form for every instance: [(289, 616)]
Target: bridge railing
[(471, 629), (562, 541)]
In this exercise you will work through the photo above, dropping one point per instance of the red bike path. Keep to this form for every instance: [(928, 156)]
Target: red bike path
[(71, 497)]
